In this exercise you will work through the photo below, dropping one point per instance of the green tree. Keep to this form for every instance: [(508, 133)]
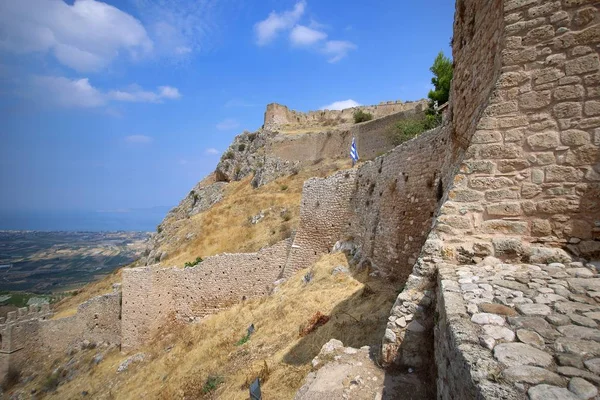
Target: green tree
[(442, 70)]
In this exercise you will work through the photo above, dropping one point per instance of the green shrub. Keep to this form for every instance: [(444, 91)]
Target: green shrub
[(283, 187), (192, 264), (407, 129), (362, 116), (443, 71), (211, 384), (243, 340), (228, 155), (242, 147)]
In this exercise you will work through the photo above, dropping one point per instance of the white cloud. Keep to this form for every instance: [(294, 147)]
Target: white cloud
[(139, 139), (341, 105), (136, 94), (228, 124), (79, 93), (268, 29), (310, 36), (305, 36), (337, 49), (63, 92), (211, 151), (85, 36), (169, 92)]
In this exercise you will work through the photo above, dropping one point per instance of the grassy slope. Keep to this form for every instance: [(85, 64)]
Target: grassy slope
[(225, 226), (182, 357)]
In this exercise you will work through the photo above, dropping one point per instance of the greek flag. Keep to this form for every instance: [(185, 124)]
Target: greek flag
[(353, 151)]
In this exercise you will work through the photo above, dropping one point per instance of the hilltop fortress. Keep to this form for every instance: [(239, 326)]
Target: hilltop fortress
[(490, 223)]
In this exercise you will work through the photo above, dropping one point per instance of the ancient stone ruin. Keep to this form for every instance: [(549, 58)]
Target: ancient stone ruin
[(491, 222)]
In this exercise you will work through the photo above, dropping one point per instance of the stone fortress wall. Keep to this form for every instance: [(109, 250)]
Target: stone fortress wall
[(513, 173), (31, 333), (373, 138), (278, 116), (527, 187), (152, 296)]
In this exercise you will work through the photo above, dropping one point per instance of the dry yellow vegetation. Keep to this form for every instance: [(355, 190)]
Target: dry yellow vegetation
[(226, 228), (182, 357)]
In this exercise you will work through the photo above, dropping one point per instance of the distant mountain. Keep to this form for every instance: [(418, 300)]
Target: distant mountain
[(140, 219)]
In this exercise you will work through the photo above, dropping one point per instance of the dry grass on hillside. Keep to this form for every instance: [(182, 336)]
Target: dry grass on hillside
[(226, 226), (184, 356)]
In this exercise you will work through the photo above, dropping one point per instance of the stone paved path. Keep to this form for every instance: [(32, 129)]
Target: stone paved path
[(540, 322), (347, 373)]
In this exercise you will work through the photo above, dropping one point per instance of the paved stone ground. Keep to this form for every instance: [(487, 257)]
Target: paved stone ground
[(347, 373), (539, 322)]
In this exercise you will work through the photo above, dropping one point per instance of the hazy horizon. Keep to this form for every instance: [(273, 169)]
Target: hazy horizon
[(140, 220)]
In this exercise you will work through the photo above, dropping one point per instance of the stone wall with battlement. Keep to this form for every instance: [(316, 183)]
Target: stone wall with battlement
[(152, 296), (30, 333), (278, 116)]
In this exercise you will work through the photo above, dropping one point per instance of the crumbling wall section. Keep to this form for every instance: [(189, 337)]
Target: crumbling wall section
[(394, 202), (324, 214), (151, 297)]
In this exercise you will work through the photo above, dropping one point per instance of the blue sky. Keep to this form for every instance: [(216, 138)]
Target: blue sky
[(127, 104)]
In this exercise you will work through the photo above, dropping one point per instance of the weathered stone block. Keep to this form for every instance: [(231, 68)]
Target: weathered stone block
[(583, 155), (514, 135), (578, 228), (592, 108), (553, 206), (501, 194), (465, 195), (482, 137), (510, 79), (504, 209), (567, 110), (559, 173), (545, 9), (547, 75), (581, 51), (456, 221), (572, 92), (505, 227), (560, 17), (583, 65), (511, 5), (498, 151), (505, 166), (477, 166), (543, 141), (541, 158), (589, 123), (529, 190), (488, 182), (541, 227), (537, 176), (574, 137), (539, 34), (512, 122), (584, 16), (517, 57), (534, 100)]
